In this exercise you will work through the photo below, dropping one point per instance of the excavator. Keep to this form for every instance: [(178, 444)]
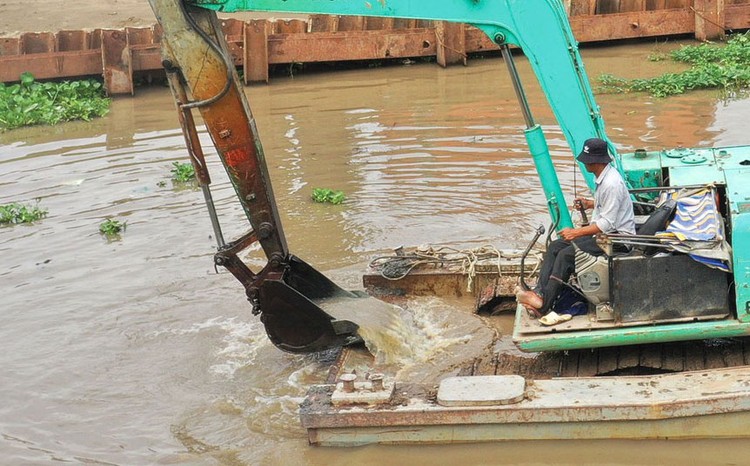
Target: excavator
[(686, 275)]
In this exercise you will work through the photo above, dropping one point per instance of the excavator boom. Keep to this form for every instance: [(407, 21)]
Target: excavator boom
[(288, 292), (291, 296)]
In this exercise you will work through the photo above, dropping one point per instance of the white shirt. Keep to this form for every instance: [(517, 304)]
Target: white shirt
[(613, 209)]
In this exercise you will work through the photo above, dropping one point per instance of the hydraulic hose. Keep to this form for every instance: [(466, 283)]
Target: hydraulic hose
[(216, 48)]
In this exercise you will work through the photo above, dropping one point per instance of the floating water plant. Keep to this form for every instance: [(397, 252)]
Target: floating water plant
[(112, 227), (19, 213), (712, 66), (183, 172), (328, 195), (32, 103)]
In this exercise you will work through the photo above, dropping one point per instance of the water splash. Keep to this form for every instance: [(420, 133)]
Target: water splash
[(402, 337)]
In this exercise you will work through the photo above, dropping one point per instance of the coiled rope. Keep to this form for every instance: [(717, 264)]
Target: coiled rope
[(399, 266)]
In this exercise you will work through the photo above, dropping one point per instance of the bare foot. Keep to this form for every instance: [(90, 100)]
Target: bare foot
[(529, 298)]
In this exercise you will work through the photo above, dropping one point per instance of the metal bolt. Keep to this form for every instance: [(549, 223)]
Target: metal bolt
[(377, 382), (250, 197), (223, 134), (276, 259), (265, 230), (348, 381)]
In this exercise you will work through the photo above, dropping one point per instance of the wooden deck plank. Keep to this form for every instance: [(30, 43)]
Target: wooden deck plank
[(673, 357), (651, 356), (588, 363), (733, 355), (608, 360), (630, 357), (569, 366), (694, 356), (547, 365), (714, 357)]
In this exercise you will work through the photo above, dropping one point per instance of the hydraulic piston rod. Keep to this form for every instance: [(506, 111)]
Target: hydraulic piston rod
[(539, 150)]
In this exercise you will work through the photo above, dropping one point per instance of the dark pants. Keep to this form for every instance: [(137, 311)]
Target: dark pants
[(558, 265)]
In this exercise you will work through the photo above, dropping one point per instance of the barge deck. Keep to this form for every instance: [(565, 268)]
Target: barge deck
[(486, 389)]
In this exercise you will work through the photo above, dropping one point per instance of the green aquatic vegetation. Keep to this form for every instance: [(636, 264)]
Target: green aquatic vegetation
[(112, 227), (328, 195), (33, 103), (712, 66), (183, 172), (19, 213)]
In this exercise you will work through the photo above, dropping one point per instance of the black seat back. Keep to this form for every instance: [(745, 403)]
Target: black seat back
[(656, 222)]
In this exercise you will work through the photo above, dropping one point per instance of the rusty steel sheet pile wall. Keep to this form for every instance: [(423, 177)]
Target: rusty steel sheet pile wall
[(254, 45)]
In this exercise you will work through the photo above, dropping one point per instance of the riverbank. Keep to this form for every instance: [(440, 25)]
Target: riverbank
[(19, 16)]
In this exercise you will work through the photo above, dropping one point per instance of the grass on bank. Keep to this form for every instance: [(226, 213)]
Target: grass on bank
[(712, 66), (15, 213), (33, 103)]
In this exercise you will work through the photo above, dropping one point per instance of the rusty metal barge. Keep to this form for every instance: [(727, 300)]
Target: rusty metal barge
[(494, 392)]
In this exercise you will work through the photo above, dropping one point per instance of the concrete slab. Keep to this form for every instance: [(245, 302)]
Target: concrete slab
[(488, 390)]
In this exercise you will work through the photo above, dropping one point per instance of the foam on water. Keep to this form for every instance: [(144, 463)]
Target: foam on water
[(398, 336)]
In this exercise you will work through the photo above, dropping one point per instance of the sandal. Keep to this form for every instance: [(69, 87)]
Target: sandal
[(553, 318)]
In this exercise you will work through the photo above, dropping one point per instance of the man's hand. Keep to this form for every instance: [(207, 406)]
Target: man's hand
[(569, 234), (587, 204)]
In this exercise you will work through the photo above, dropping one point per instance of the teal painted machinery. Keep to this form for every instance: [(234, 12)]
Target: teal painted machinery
[(198, 66)]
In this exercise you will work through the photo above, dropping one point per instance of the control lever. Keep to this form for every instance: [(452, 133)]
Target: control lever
[(539, 232), (584, 218)]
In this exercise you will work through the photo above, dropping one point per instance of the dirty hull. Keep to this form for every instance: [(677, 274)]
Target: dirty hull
[(677, 390), (702, 404)]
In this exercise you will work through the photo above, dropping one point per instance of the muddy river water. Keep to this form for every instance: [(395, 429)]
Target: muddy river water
[(136, 351)]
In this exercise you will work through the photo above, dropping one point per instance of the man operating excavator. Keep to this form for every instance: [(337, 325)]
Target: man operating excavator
[(613, 213)]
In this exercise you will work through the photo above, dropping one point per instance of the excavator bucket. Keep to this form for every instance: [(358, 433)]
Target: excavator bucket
[(290, 295), (292, 310)]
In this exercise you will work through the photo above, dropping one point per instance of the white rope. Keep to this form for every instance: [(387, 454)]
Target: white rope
[(399, 266)]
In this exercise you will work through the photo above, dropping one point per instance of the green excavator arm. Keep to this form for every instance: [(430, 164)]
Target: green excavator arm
[(288, 293)]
